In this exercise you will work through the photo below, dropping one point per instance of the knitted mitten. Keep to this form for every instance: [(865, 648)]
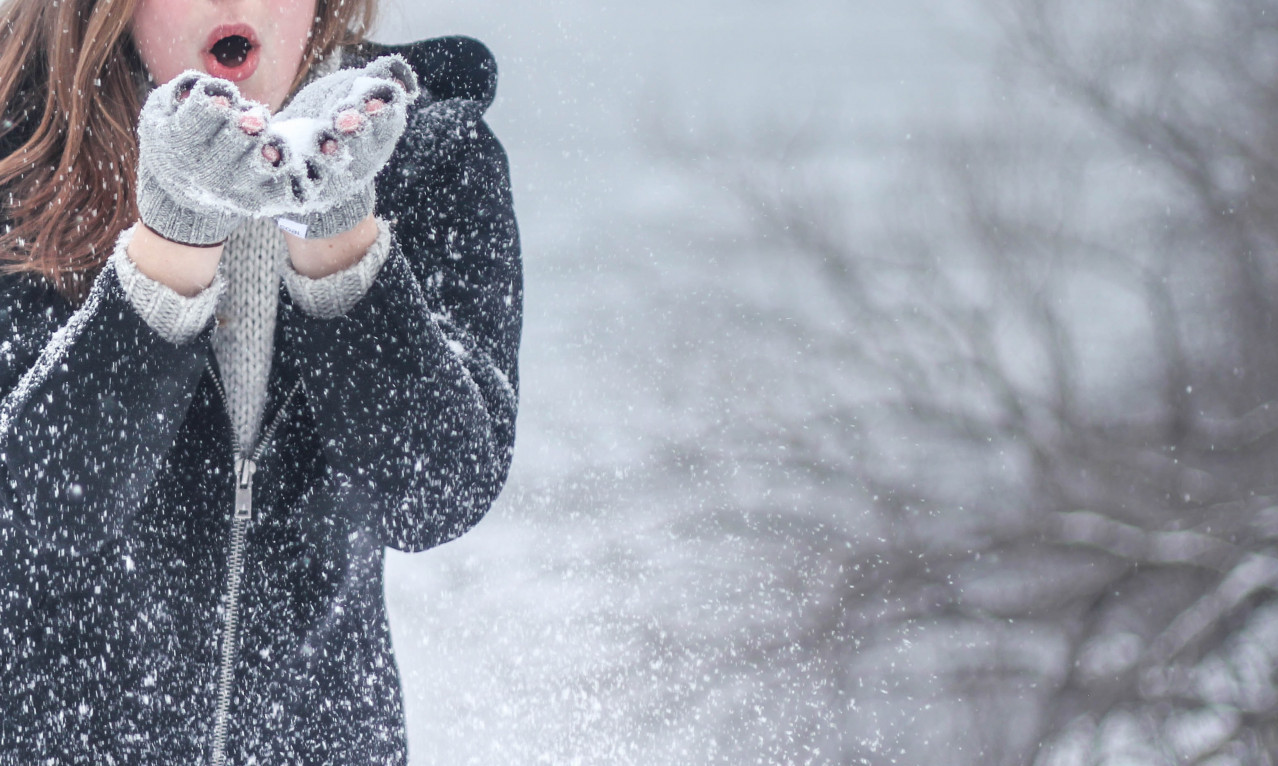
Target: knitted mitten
[(335, 135), (201, 168)]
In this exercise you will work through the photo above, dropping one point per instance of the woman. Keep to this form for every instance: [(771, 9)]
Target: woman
[(199, 468)]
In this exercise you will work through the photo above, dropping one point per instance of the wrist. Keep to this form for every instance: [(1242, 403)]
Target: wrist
[(185, 269), (318, 258)]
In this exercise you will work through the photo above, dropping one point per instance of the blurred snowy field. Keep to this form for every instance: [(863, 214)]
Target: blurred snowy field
[(631, 599)]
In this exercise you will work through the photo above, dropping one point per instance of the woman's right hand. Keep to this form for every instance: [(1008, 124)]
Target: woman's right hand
[(206, 161)]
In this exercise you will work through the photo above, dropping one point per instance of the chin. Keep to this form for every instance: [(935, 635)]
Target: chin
[(263, 95)]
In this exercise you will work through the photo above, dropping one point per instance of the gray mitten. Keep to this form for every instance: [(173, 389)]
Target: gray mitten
[(333, 138), (201, 169)]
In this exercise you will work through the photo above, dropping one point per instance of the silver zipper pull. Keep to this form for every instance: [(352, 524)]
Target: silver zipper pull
[(244, 488)]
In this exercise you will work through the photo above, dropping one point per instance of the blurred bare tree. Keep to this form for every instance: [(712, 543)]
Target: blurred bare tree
[(1038, 430)]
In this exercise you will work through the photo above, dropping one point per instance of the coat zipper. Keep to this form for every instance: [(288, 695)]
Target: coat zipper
[(245, 468)]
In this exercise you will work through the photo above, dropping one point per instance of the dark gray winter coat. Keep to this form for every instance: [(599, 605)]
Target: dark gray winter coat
[(117, 485)]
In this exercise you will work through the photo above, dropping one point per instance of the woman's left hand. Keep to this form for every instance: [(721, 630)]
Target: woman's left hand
[(335, 135)]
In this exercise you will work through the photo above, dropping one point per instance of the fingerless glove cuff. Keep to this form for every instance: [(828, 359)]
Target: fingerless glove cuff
[(341, 217), (177, 222)]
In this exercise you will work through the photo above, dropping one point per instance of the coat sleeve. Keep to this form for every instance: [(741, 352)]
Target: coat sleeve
[(414, 389), (92, 400)]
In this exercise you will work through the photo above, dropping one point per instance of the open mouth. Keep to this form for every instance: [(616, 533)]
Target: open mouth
[(232, 52)]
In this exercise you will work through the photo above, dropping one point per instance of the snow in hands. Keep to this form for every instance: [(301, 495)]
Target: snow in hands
[(314, 161)]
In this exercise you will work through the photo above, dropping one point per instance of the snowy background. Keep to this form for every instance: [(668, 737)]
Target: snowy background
[(567, 628), (833, 369)]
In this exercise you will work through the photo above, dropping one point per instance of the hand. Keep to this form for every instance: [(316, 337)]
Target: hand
[(333, 138), (202, 168)]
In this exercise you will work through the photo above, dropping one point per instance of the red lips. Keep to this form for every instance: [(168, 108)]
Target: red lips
[(231, 52)]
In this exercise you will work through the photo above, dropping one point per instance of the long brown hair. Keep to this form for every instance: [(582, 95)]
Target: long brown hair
[(71, 88)]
